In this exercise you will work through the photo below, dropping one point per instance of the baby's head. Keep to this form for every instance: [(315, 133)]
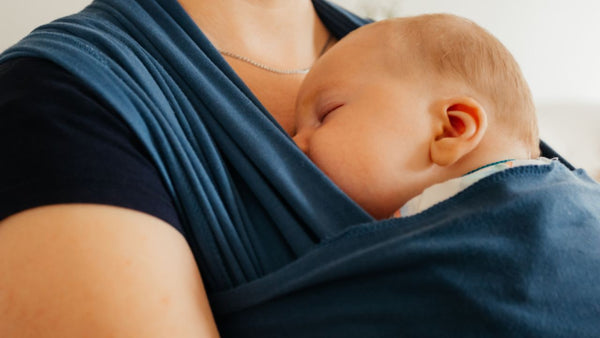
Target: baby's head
[(402, 104)]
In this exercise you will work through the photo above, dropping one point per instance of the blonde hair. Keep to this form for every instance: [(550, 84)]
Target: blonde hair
[(458, 48)]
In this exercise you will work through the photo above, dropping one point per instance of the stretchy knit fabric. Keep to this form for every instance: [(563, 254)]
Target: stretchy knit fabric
[(283, 252), (514, 255)]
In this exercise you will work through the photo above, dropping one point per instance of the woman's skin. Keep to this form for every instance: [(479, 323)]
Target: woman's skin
[(86, 270), (284, 34)]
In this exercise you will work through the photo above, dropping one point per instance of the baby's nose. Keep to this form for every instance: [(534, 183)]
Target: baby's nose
[(301, 141)]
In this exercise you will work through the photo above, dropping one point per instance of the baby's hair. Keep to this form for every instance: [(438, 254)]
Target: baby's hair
[(457, 48)]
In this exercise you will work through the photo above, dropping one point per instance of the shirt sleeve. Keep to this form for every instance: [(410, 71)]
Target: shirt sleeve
[(60, 143)]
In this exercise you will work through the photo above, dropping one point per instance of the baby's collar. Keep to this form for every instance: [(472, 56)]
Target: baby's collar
[(488, 165)]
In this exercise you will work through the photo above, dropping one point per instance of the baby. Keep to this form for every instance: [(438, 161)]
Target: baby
[(402, 105)]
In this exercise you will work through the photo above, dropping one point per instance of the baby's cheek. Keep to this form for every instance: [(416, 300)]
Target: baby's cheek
[(333, 153), (350, 164)]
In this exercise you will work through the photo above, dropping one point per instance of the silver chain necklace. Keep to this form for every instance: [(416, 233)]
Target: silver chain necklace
[(271, 69)]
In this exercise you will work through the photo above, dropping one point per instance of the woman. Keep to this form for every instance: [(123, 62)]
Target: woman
[(148, 170), (93, 249)]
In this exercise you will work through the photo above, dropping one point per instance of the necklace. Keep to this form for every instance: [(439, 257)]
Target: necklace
[(271, 69)]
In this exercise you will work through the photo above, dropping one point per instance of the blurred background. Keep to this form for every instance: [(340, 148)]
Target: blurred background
[(557, 44)]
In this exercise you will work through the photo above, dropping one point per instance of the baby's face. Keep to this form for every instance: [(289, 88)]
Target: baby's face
[(364, 125)]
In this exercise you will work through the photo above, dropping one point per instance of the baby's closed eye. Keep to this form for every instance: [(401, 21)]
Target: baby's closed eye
[(328, 109)]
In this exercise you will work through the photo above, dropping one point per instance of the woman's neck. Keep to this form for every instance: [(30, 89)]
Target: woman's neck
[(285, 33)]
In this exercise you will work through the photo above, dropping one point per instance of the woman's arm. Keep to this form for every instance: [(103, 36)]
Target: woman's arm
[(91, 270)]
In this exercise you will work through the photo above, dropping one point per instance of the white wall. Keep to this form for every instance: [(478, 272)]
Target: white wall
[(19, 17)]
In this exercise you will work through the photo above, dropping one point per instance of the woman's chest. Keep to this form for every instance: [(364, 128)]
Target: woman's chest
[(276, 92)]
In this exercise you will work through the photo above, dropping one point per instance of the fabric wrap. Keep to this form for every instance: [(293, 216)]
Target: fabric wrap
[(283, 252), (243, 190), (516, 254)]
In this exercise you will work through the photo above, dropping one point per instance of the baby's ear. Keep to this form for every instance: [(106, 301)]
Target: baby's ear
[(462, 123)]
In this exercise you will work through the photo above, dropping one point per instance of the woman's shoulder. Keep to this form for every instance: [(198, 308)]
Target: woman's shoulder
[(121, 272), (61, 143)]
